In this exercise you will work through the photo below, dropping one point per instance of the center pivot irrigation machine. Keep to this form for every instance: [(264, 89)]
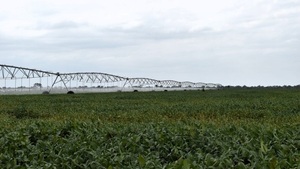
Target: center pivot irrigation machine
[(19, 80)]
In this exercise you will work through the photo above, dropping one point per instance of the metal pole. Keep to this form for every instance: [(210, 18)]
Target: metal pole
[(29, 84), (53, 83), (64, 83)]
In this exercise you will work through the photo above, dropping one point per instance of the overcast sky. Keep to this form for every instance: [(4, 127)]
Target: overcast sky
[(232, 42)]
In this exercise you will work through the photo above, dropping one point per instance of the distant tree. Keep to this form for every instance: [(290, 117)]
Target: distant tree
[(37, 85)]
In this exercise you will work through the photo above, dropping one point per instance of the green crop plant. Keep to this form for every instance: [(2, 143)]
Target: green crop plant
[(245, 128)]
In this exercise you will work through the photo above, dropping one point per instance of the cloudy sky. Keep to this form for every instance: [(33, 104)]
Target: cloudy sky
[(232, 42)]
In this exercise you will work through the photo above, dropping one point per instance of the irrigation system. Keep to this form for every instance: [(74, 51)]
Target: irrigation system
[(19, 80)]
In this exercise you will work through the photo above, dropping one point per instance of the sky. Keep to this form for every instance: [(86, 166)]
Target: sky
[(232, 42)]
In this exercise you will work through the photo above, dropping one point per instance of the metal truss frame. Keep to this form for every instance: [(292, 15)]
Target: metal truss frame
[(14, 72)]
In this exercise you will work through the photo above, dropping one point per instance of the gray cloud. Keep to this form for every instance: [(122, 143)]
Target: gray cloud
[(256, 44), (60, 25)]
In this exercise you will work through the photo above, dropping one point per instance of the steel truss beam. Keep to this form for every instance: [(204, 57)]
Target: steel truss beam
[(143, 81), (187, 84), (14, 72), (169, 83)]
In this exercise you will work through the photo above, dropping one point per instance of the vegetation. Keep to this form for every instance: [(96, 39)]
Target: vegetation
[(230, 128)]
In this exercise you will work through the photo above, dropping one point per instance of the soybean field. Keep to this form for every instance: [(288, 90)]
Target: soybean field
[(228, 128)]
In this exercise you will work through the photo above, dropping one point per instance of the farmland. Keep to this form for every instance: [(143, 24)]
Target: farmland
[(230, 128)]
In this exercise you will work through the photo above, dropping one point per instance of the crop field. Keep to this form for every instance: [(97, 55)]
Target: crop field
[(229, 128)]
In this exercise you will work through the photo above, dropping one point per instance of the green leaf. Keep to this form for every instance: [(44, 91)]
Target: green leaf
[(186, 164), (263, 147), (273, 163), (142, 161)]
